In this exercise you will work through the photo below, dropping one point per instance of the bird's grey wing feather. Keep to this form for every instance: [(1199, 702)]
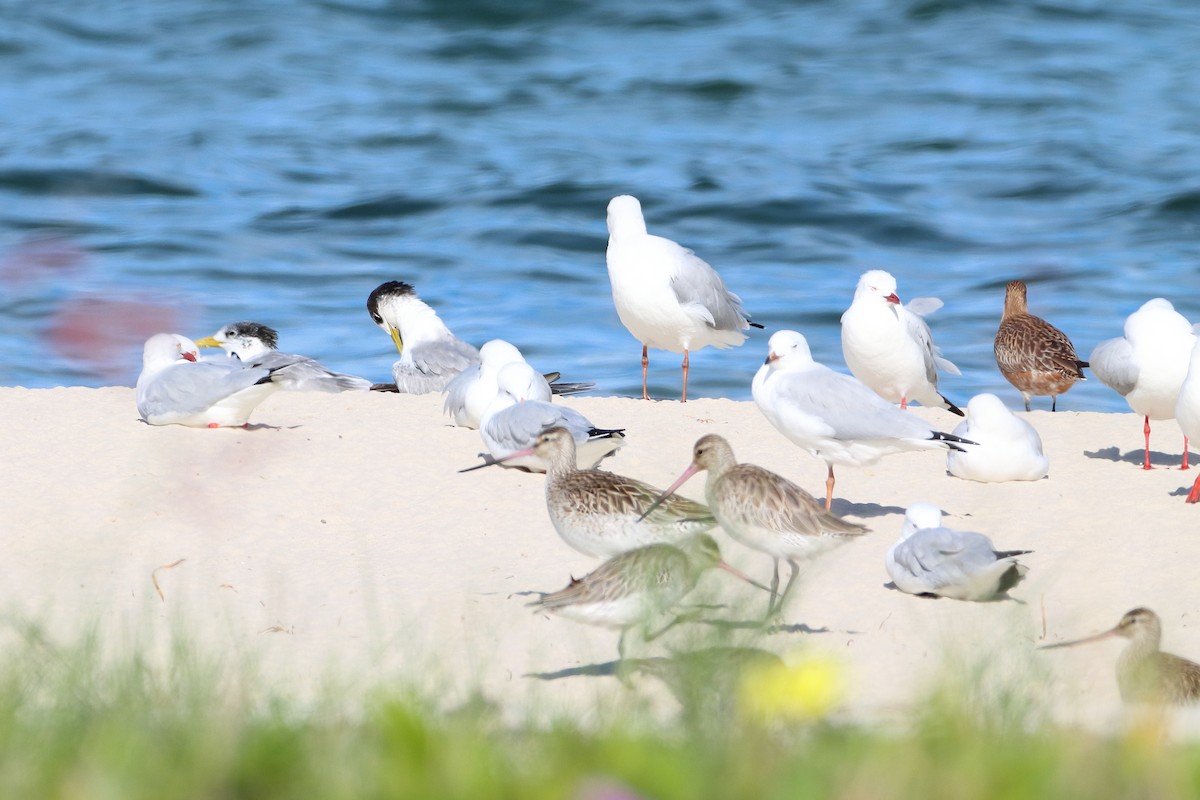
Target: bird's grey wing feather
[(848, 408), (1112, 362), (193, 387), (699, 287)]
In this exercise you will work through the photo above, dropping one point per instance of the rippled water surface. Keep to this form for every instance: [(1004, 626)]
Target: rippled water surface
[(179, 165)]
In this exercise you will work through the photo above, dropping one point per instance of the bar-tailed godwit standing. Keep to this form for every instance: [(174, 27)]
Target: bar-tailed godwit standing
[(889, 347), (764, 511), (930, 559), (834, 416), (1187, 410), (1007, 447), (1147, 365), (430, 355), (1032, 354), (176, 389), (254, 344), (598, 513), (665, 295), (1145, 674), (636, 586)]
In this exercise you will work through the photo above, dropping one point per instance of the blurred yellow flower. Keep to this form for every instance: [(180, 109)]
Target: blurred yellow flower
[(806, 689)]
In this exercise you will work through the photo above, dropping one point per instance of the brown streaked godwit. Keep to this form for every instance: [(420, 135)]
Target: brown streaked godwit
[(1147, 365), (889, 347), (1144, 672), (599, 513), (834, 416), (665, 295), (1032, 354), (764, 511), (929, 559), (633, 588)]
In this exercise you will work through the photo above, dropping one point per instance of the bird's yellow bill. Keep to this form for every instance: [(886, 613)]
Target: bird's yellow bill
[(398, 342), (207, 341)]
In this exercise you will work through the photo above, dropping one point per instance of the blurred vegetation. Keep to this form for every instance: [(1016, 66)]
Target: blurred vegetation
[(72, 727)]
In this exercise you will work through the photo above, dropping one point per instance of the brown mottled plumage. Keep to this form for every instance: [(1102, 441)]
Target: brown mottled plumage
[(635, 586), (599, 513), (1145, 674), (1032, 354), (764, 511)]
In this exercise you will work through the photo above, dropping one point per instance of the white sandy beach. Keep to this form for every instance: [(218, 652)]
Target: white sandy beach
[(344, 545)]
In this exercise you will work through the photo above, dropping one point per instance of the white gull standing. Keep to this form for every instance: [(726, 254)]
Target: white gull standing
[(888, 346), (665, 295), (1008, 448), (254, 344), (430, 355), (1187, 410), (929, 559), (514, 419), (834, 416), (174, 388), (1147, 365)]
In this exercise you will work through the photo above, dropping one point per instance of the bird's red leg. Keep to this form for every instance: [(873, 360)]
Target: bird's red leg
[(1194, 494), (685, 372), (645, 367), (1146, 463), (1184, 465), (903, 403), (829, 489)]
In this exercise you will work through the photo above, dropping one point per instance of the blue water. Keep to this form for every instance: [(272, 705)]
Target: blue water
[(186, 164)]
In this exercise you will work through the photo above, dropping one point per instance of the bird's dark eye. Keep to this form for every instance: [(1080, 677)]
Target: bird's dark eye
[(377, 318)]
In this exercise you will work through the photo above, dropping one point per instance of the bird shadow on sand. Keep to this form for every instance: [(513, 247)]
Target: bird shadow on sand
[(607, 668), (845, 508), (1157, 458), (257, 426)]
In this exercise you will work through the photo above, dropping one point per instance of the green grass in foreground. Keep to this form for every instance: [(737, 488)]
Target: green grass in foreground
[(71, 729)]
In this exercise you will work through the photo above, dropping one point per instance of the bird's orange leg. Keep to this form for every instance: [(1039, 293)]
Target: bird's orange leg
[(1184, 465), (829, 489), (1194, 494), (1146, 463), (645, 368), (685, 372), (903, 403)]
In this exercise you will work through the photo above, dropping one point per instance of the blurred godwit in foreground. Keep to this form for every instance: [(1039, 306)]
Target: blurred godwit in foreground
[(634, 587), (1144, 672), (1147, 365), (764, 511), (929, 559), (834, 416), (599, 513), (1032, 354), (888, 346), (665, 295)]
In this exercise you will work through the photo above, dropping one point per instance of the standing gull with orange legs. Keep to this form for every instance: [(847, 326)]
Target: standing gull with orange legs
[(764, 511), (1147, 365), (888, 346), (834, 416), (665, 295)]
